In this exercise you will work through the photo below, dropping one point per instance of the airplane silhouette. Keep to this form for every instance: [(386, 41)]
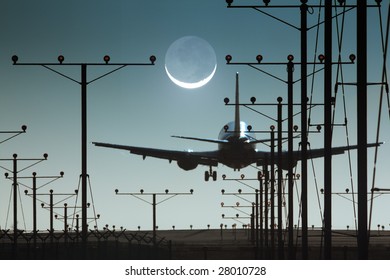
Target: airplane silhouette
[(236, 149)]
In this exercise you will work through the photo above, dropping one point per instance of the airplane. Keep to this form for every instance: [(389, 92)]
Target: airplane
[(236, 149)]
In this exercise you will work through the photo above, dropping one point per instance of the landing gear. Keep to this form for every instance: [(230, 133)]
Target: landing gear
[(211, 173)]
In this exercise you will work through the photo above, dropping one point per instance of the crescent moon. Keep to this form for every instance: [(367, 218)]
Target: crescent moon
[(191, 85)]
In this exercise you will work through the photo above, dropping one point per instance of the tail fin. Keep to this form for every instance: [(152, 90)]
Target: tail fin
[(237, 112)]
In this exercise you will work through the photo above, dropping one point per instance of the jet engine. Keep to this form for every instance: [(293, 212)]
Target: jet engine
[(187, 164)]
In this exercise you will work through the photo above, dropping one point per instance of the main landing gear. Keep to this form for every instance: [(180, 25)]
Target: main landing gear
[(211, 173)]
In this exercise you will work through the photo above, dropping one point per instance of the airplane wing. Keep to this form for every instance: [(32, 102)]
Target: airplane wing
[(316, 153), (262, 156), (209, 158)]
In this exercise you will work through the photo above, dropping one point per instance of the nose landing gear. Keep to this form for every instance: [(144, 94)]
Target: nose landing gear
[(211, 173)]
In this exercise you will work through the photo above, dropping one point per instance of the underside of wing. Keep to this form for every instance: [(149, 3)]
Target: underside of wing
[(186, 159), (317, 153)]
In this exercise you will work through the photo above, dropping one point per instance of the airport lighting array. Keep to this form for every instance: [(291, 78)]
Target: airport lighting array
[(83, 83), (168, 195), (34, 194), (15, 186), (361, 84)]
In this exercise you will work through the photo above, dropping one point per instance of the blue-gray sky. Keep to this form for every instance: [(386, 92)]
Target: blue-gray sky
[(140, 106)]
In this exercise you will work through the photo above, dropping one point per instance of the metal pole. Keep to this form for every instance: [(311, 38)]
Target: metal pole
[(304, 126), (252, 227), (15, 197), (35, 208), (272, 191), (51, 210), (259, 207), (66, 219), (66, 222), (361, 51), (328, 132), (154, 219), (84, 154), (77, 225), (266, 179), (280, 179), (290, 69)]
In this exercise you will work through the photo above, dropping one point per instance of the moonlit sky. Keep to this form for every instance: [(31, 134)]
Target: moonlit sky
[(140, 106)]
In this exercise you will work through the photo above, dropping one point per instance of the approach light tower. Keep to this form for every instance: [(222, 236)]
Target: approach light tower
[(83, 83)]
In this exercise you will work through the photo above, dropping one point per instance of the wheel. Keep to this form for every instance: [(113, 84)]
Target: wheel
[(214, 175), (206, 176)]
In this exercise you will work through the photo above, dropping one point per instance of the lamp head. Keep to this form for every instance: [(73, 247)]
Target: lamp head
[(228, 58), (15, 59), (60, 59), (152, 59)]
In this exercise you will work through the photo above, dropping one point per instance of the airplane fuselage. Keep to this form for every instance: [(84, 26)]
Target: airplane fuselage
[(239, 152)]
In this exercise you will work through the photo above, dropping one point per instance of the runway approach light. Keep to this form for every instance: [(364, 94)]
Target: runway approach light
[(259, 58), (106, 59), (290, 57), (253, 99), (228, 58), (352, 57), (226, 100), (229, 2), (15, 59), (321, 58), (152, 59), (61, 59)]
